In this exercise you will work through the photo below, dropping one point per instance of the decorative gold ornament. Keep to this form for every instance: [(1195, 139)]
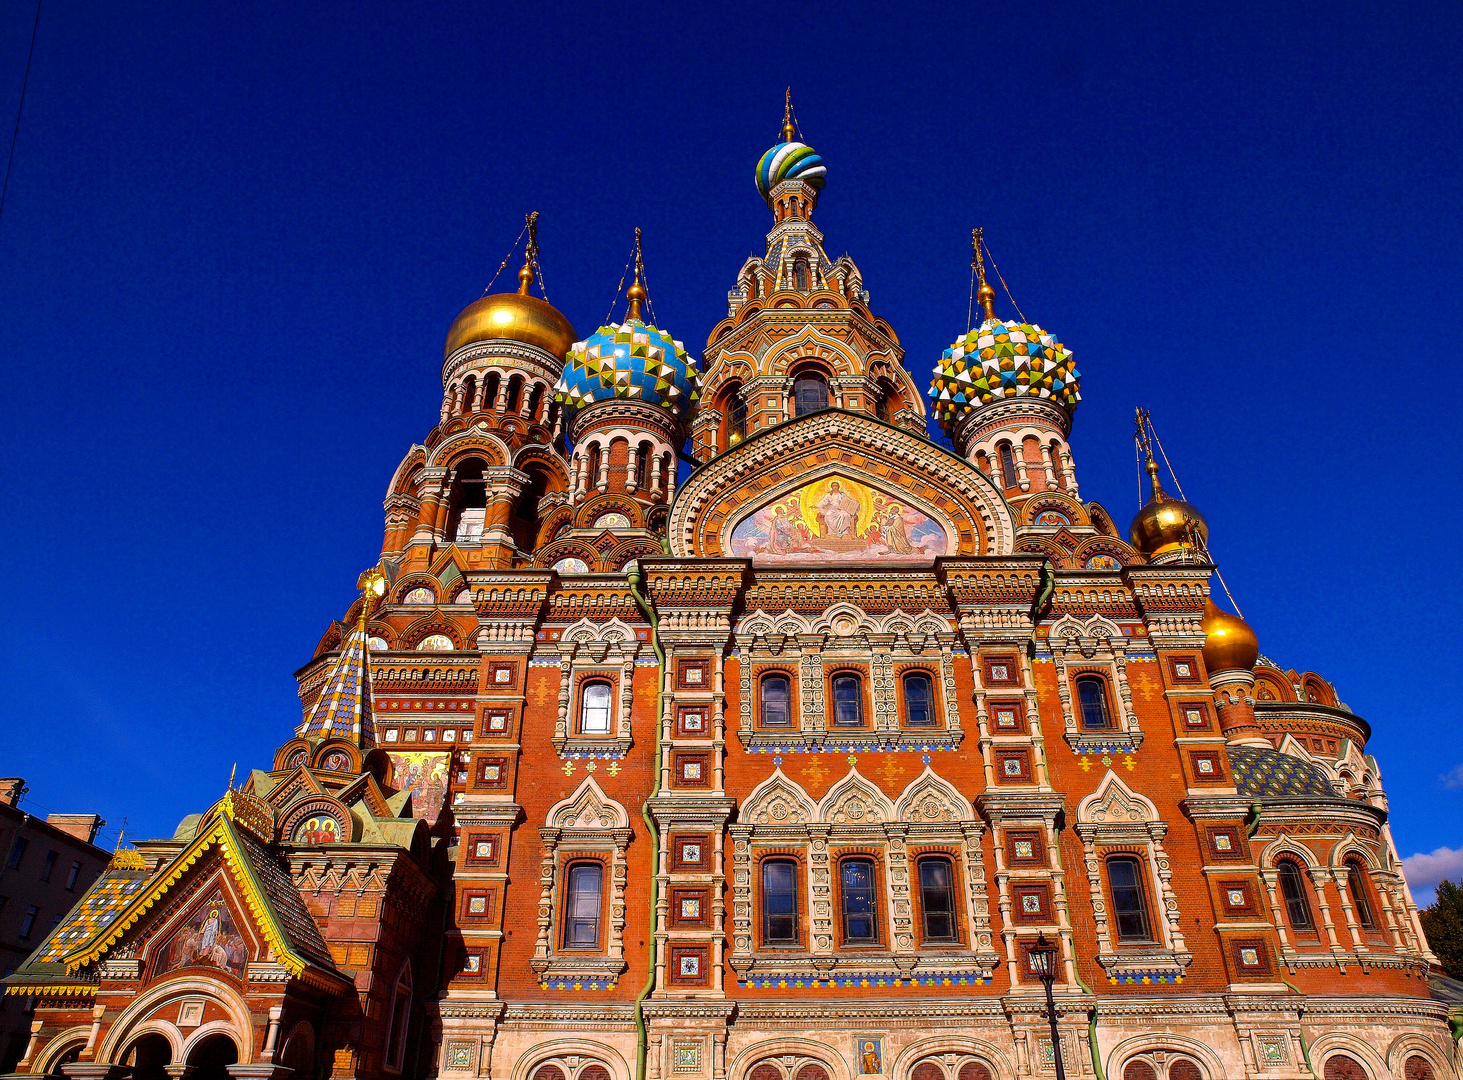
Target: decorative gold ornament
[(1229, 644)]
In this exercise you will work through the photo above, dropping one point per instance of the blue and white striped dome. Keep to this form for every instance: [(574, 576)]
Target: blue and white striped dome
[(790, 161)]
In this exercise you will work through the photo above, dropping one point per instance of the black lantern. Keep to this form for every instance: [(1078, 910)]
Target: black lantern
[(1043, 960)]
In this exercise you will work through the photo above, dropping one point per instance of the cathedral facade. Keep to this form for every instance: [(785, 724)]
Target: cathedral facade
[(710, 721)]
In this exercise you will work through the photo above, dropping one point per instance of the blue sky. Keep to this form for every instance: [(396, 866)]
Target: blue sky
[(235, 236)]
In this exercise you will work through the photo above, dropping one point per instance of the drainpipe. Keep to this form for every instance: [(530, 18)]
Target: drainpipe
[(1057, 851), (1305, 1051), (635, 577)]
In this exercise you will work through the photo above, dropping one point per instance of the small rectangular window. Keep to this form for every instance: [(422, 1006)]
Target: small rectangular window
[(848, 701), (1129, 908), (779, 902), (594, 711), (17, 852), (937, 899), (860, 921), (49, 866), (27, 924), (776, 701)]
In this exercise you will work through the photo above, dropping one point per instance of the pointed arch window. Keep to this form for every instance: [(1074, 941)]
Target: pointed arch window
[(810, 393), (1293, 892), (1008, 465), (736, 417)]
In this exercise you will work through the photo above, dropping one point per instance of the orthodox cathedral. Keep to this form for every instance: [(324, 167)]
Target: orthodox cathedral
[(710, 721)]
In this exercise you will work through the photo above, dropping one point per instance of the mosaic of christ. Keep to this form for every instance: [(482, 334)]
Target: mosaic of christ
[(837, 519), (425, 772), (208, 937)]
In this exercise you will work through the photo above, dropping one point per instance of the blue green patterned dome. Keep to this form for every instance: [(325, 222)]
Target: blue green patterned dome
[(1003, 360), (629, 360), (790, 161)]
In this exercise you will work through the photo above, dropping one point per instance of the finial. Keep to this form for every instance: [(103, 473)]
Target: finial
[(372, 584), (636, 292), (530, 255), (986, 295), (1145, 446), (787, 128), (232, 771)]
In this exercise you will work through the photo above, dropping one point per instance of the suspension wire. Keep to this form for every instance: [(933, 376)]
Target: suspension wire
[(619, 289), (25, 82), (507, 258), (1138, 465), (649, 303), (1171, 473), (997, 269)]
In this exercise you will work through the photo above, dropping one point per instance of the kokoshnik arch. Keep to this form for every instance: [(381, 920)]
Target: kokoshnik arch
[(770, 762)]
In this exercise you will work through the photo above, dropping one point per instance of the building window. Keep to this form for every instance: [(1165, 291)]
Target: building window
[(1128, 906), (1360, 903), (581, 910), (400, 1017), (848, 701), (918, 699), (776, 701), (27, 924), (72, 875), (856, 883), (779, 902), (937, 898), (1008, 465), (594, 709), (810, 393), (1092, 697), (1293, 892), (49, 866), (17, 852), (736, 418), (800, 275)]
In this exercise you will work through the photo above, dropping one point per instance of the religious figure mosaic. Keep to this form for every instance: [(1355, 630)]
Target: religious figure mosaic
[(209, 937), (838, 519), (425, 773)]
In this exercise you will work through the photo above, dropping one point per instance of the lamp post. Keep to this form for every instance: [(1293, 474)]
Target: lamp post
[(1044, 963)]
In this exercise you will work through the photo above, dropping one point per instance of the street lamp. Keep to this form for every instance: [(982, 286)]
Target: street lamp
[(1043, 957)]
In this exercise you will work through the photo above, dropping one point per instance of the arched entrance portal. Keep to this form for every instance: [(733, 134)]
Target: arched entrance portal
[(212, 1057), (149, 1057)]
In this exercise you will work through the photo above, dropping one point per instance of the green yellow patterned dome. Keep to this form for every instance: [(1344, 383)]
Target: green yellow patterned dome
[(1001, 360)]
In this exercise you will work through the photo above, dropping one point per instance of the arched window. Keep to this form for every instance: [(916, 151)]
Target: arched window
[(918, 700), (810, 393), (490, 390), (1418, 1067), (524, 519), (1342, 1067), (937, 898), (469, 389), (594, 709), (1008, 465), (1092, 697), (1139, 1070), (581, 906), (1129, 907), (779, 902), (593, 470), (515, 390), (1184, 1069), (856, 888), (1293, 892), (927, 1070), (848, 701), (1356, 879), (642, 464), (734, 408), (469, 501), (776, 701), (399, 1019), (800, 275), (1056, 453)]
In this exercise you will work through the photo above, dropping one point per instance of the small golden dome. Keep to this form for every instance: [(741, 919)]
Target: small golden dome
[(1230, 644), (516, 317), (1166, 524)]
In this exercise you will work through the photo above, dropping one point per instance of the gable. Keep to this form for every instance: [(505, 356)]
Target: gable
[(728, 507), (206, 934)]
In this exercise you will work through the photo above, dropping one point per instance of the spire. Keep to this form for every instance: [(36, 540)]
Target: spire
[(530, 255), (985, 294), (1145, 448), (636, 292), (787, 125), (344, 708)]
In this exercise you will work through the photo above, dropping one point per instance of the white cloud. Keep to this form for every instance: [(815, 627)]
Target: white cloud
[(1426, 869), (1452, 780)]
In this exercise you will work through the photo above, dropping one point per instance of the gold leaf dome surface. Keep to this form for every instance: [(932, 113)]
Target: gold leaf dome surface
[(1164, 525), (515, 317), (1229, 643)]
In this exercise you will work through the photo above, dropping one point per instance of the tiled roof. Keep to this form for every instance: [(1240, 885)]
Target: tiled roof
[(284, 898), (1261, 773)]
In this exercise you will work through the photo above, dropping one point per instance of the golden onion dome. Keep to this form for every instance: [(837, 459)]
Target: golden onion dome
[(1229, 643), (1166, 524), (513, 317)]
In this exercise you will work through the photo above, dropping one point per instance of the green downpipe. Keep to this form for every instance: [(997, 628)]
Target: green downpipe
[(634, 576), (1305, 1050)]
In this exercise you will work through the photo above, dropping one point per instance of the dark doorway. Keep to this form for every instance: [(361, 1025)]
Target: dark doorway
[(149, 1057), (212, 1057)]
